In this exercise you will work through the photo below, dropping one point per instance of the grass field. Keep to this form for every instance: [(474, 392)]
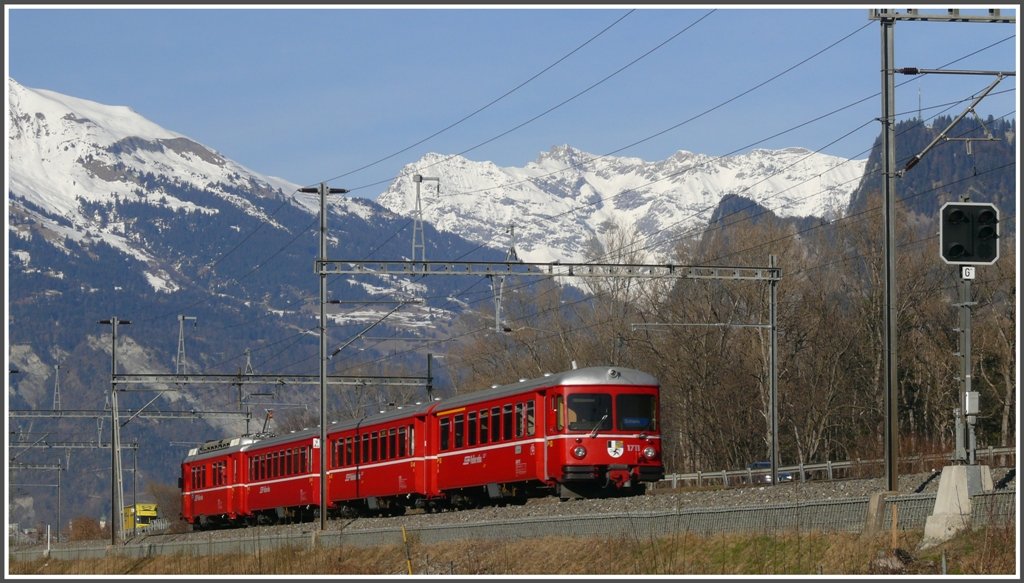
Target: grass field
[(990, 551)]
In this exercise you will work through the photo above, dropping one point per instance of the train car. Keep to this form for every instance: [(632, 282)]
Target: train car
[(377, 464), (212, 493), (279, 478), (591, 432)]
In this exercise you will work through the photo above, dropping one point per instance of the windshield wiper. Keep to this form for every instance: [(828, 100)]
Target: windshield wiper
[(598, 426)]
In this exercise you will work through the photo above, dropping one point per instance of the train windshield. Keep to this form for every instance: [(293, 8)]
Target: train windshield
[(589, 411), (593, 411), (635, 413)]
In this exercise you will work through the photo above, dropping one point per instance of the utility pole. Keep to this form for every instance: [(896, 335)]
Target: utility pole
[(56, 388), (418, 242), (774, 384), (180, 360), (323, 190), (59, 470), (888, 120), (498, 282), (117, 515)]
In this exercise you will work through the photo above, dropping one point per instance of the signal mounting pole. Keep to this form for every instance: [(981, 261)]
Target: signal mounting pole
[(888, 18)]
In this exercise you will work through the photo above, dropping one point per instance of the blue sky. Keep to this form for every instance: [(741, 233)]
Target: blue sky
[(316, 94)]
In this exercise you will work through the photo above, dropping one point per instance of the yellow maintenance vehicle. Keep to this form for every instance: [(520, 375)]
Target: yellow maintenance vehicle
[(139, 516)]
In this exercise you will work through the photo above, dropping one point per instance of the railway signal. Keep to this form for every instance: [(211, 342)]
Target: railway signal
[(969, 233)]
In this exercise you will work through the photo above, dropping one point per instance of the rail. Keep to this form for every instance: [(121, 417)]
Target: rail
[(833, 515), (829, 470)]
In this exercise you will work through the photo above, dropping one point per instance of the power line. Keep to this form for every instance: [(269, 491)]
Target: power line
[(550, 109), (489, 104)]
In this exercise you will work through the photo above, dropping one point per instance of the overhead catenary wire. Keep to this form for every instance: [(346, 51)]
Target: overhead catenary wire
[(488, 104), (489, 329), (547, 111), (532, 283), (264, 262)]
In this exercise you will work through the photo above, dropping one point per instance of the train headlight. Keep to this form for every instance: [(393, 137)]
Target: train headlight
[(579, 452), (650, 453)]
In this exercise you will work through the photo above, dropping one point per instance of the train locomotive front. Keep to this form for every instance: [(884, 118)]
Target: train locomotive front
[(603, 434)]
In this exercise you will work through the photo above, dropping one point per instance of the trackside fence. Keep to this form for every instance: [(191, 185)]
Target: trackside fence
[(1003, 457), (840, 515)]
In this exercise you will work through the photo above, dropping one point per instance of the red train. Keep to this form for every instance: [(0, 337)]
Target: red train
[(590, 432)]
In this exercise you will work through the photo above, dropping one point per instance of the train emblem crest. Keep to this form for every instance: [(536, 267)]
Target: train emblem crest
[(615, 447)]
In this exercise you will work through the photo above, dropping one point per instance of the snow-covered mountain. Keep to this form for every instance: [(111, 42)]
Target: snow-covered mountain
[(111, 215), (566, 198), (68, 156)]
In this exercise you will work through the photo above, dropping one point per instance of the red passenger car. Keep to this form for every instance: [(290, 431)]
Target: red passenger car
[(583, 433)]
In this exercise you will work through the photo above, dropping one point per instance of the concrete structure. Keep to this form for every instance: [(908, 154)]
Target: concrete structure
[(952, 511)]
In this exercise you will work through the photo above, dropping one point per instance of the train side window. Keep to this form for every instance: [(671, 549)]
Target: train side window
[(495, 424), (401, 441), (506, 421), (393, 443), (520, 415), (383, 445), (366, 448), (373, 447), (457, 423), (445, 433), (295, 460), (412, 440), (484, 432), (559, 412), (348, 451), (471, 430), (529, 418)]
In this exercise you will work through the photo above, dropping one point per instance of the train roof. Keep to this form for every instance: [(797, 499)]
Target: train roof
[(216, 448), (594, 375)]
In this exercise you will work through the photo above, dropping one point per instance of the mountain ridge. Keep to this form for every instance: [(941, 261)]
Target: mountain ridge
[(567, 197)]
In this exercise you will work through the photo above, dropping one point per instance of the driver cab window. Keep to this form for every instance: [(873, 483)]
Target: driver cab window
[(589, 411), (559, 406)]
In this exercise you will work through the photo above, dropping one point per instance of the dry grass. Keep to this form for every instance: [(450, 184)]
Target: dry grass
[(988, 551)]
